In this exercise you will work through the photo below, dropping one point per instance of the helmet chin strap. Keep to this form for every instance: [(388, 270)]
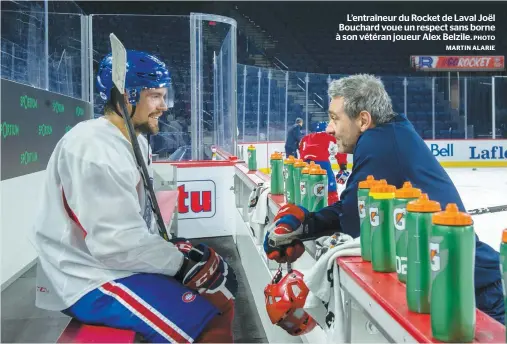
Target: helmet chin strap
[(148, 135), (119, 113)]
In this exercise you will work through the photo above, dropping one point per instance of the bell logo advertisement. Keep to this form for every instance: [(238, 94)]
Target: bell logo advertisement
[(442, 150), (197, 199)]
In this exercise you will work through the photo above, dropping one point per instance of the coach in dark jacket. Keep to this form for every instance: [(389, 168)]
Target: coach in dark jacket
[(386, 145)]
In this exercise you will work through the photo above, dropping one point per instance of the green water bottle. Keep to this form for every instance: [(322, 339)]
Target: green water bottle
[(276, 173), (303, 185), (503, 267), (452, 293), (402, 196), (383, 249), (288, 175), (317, 187), (418, 227), (252, 158), (363, 190), (298, 167)]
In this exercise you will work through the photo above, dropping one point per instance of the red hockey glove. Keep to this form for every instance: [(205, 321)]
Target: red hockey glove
[(211, 277), (182, 244), (283, 243)]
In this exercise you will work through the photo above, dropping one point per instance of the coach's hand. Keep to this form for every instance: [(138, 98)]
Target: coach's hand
[(283, 243), (211, 277)]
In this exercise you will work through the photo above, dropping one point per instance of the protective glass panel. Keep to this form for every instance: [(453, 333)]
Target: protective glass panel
[(500, 107), (241, 87), (169, 40), (225, 90), (23, 48), (395, 87), (318, 101), (275, 123), (478, 105), (445, 102), (66, 55), (249, 89), (263, 104), (220, 33), (298, 100)]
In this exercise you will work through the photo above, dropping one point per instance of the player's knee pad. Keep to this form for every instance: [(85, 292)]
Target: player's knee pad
[(219, 329)]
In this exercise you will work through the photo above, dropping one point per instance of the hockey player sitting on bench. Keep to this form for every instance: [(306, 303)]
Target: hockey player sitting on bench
[(101, 259)]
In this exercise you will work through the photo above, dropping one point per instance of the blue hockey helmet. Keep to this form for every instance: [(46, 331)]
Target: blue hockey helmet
[(144, 71)]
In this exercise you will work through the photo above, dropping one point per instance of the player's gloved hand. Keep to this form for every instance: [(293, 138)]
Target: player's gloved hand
[(283, 243), (211, 277), (342, 176), (181, 244)]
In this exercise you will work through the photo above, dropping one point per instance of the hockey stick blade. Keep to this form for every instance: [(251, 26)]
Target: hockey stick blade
[(119, 72), (487, 210)]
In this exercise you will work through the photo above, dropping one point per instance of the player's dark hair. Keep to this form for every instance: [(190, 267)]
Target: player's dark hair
[(112, 102)]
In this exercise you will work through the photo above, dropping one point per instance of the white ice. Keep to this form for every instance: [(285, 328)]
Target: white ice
[(483, 187)]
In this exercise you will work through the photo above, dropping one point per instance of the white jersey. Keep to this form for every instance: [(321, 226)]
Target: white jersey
[(91, 227)]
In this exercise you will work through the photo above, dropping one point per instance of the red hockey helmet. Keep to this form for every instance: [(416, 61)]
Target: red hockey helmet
[(285, 298)]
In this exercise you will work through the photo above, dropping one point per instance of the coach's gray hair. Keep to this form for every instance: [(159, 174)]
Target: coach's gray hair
[(363, 92)]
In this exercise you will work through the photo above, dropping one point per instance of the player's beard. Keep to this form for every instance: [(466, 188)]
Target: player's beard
[(143, 128), (146, 127)]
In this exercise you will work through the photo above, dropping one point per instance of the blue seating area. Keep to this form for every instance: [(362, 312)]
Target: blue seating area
[(419, 107)]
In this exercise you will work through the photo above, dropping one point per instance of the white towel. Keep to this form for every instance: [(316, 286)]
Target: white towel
[(324, 302), (258, 204), (258, 210)]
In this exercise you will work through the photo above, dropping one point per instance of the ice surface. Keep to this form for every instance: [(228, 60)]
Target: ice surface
[(482, 188)]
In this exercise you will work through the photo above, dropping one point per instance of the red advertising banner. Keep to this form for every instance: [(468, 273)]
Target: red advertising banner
[(458, 63)]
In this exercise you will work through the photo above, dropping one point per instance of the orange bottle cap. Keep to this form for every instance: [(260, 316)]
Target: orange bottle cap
[(452, 217), (251, 147), (423, 205), (504, 236), (317, 171), (382, 188), (407, 191), (306, 169), (290, 160), (276, 156), (299, 163), (367, 183)]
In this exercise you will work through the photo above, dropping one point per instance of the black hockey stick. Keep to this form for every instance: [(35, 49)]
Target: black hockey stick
[(119, 58), (487, 210)]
